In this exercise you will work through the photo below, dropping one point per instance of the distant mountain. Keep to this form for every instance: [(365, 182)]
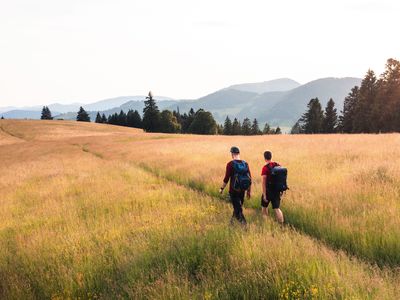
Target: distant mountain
[(7, 108), (280, 105), (116, 102), (221, 103), (22, 114), (30, 112), (277, 85), (292, 104)]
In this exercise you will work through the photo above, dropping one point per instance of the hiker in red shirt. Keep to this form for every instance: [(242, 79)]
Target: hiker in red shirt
[(239, 177), (269, 195)]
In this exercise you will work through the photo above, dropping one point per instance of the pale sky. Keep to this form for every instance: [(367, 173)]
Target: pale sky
[(87, 50)]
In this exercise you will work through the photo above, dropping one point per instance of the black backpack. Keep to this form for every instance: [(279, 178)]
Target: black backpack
[(241, 176), (278, 179)]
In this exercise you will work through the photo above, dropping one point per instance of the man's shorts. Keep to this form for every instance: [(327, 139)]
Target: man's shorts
[(273, 197)]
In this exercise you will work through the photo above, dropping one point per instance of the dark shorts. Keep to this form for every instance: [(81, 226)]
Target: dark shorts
[(273, 197)]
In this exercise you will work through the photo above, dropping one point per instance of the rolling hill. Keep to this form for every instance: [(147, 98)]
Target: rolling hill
[(282, 84), (278, 102)]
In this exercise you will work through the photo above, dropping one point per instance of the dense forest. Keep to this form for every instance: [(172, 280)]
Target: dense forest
[(372, 107)]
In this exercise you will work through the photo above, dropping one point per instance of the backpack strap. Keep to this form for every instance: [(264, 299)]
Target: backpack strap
[(271, 167)]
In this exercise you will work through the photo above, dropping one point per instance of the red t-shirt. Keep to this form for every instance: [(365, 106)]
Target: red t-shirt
[(266, 171), (229, 175)]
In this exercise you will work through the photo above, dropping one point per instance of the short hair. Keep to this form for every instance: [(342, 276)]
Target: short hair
[(235, 150), (268, 155)]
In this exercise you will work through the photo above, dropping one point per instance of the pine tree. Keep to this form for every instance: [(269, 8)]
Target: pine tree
[(267, 129), (236, 127), (82, 115), (2, 117), (98, 118), (363, 118), (296, 129), (311, 121), (387, 105), (151, 115), (348, 113), (187, 120), (220, 129), (278, 130), (246, 127), (177, 115), (227, 126), (330, 118), (113, 119), (103, 119), (255, 129), (122, 118), (133, 119), (46, 114)]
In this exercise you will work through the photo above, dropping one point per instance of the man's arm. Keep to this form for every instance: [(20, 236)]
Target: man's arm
[(226, 178), (264, 186), (249, 190)]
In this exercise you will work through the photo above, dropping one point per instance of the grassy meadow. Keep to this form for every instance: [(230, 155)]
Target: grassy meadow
[(93, 211)]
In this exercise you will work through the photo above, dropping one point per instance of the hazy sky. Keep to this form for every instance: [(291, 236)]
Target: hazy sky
[(88, 50)]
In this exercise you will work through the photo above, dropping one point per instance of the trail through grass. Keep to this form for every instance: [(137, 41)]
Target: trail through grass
[(78, 225)]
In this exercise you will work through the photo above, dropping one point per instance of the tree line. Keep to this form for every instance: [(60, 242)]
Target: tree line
[(199, 122), (166, 121), (246, 127), (372, 107)]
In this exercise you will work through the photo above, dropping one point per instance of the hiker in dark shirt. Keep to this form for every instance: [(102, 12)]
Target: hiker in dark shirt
[(239, 177), (269, 195)]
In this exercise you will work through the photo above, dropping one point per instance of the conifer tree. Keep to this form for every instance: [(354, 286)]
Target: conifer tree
[(246, 127), (220, 129), (330, 118), (177, 115), (133, 119), (267, 129), (387, 107), (236, 127), (2, 117), (151, 115), (311, 121), (227, 126), (255, 129), (103, 119), (348, 113), (122, 118), (46, 114), (98, 118), (363, 118), (82, 115), (278, 130), (296, 129), (187, 120)]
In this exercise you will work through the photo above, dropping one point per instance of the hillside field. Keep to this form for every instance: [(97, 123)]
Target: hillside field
[(95, 211)]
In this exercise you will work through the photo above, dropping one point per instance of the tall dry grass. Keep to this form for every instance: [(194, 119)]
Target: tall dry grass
[(344, 188), (80, 219)]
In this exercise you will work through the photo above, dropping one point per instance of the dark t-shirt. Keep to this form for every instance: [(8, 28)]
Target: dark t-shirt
[(229, 175)]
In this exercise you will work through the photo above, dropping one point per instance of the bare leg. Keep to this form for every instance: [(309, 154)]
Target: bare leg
[(279, 215), (264, 211)]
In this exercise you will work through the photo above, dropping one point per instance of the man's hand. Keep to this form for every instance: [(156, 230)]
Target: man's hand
[(248, 194), (264, 197), (221, 190)]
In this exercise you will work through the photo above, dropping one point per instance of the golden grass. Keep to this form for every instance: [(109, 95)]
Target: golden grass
[(79, 218), (344, 188)]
